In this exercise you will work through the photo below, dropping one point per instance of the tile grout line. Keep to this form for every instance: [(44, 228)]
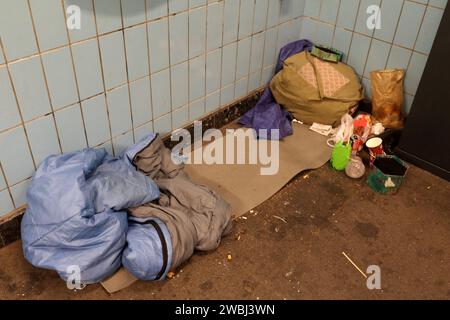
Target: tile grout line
[(276, 38), (188, 68), (320, 13), (264, 42), (363, 34), (352, 31), (79, 102), (77, 87), (101, 34), (413, 51), (335, 23), (107, 91), (8, 188), (127, 73), (417, 36), (103, 76), (22, 125), (160, 18), (45, 80), (252, 38), (170, 66), (221, 52), (205, 54), (370, 47), (147, 43), (237, 50), (391, 45)]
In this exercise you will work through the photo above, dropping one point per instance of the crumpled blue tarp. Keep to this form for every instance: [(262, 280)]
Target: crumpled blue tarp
[(76, 213), (268, 114)]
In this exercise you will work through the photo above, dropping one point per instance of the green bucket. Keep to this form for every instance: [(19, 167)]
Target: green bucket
[(387, 174)]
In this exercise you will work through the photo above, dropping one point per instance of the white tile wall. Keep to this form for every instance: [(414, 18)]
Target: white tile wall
[(408, 28), (138, 66)]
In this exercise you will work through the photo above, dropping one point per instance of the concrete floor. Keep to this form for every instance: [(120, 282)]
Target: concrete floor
[(326, 213)]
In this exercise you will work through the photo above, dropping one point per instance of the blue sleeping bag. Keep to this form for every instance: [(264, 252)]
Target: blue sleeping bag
[(148, 235), (76, 216)]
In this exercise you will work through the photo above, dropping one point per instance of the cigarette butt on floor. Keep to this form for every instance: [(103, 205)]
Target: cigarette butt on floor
[(354, 264)]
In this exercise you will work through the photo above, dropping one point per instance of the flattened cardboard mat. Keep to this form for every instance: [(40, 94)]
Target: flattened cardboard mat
[(244, 187)]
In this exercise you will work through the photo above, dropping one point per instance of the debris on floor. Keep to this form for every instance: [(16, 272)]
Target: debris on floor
[(354, 265), (280, 218), (171, 275)]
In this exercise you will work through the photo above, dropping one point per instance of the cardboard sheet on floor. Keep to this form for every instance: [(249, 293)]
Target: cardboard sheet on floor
[(244, 187), (119, 281)]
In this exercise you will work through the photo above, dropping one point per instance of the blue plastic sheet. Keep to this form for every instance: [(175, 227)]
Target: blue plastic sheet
[(76, 213)]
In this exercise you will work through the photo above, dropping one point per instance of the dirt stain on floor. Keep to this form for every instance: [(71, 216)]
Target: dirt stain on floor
[(367, 230)]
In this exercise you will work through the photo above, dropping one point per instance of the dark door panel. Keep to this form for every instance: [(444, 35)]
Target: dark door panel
[(426, 137)]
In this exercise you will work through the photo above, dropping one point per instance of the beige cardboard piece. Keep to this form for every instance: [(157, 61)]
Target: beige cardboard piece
[(244, 187), (119, 281)]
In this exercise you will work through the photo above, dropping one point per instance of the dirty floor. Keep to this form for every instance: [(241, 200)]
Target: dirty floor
[(291, 248)]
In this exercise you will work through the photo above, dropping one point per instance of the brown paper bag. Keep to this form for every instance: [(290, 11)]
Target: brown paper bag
[(387, 97)]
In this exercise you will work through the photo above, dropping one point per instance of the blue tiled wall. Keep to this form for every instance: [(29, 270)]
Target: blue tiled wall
[(408, 28), (135, 66)]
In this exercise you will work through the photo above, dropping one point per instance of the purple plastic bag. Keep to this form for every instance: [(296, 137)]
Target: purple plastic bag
[(268, 114)]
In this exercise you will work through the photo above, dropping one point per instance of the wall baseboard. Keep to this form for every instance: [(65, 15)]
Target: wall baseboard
[(421, 163)]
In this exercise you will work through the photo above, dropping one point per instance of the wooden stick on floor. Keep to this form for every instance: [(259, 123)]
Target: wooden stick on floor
[(354, 264)]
